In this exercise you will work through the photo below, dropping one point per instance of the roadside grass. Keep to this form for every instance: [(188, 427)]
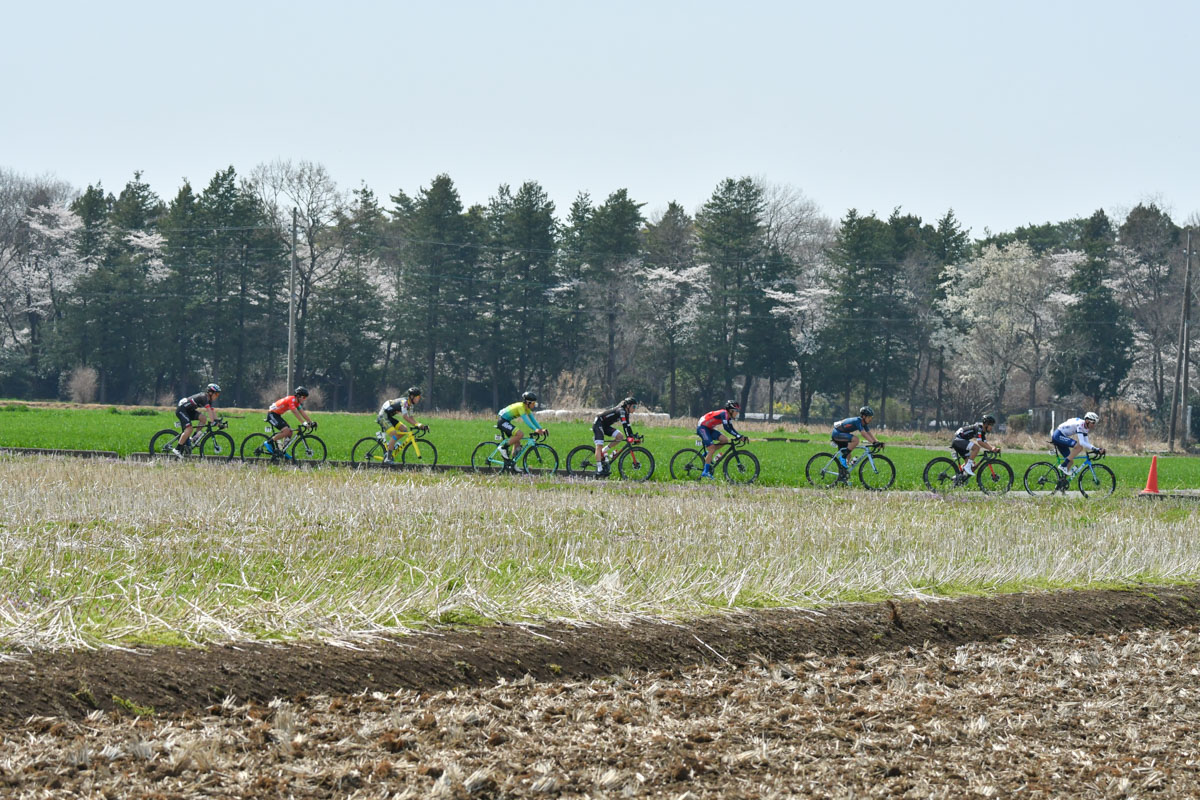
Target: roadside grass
[(129, 430), (114, 553)]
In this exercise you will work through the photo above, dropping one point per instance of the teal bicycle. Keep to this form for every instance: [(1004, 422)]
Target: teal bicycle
[(534, 454), (875, 472), (1092, 479)]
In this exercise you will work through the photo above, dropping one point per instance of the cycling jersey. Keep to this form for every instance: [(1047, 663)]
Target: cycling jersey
[(289, 403), (401, 405), (969, 432), (607, 420), (195, 401), (708, 425), (519, 410), (849, 425), (1072, 431)]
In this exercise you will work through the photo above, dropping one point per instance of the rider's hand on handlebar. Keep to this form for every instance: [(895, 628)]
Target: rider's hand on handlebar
[(312, 426)]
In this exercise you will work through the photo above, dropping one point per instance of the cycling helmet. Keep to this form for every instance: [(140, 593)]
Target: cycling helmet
[(988, 419), (733, 405), (1091, 416), (300, 392), (214, 388), (629, 401), (529, 397), (414, 391), (866, 411)]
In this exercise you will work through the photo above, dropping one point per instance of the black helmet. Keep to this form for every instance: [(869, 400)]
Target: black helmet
[(414, 391), (733, 405), (529, 397), (214, 388), (988, 419), (629, 401), (866, 411), (301, 392)]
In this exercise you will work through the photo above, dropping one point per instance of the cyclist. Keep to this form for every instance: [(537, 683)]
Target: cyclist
[(294, 402), (965, 443), (709, 438), (605, 425), (523, 410), (1071, 438), (845, 434), (392, 428), (189, 409)]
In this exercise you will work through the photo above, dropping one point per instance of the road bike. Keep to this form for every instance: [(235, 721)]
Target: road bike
[(1092, 479), (875, 472), (992, 475), (209, 441), (534, 454), (738, 464), (633, 462), (414, 449), (302, 446)]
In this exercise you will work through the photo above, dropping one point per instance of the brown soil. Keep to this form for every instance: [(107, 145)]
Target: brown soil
[(173, 680)]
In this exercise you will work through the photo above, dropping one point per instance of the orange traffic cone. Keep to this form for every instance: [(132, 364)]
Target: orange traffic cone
[(1151, 489)]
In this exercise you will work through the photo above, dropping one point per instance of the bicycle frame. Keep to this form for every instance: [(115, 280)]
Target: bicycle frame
[(404, 439), (526, 443)]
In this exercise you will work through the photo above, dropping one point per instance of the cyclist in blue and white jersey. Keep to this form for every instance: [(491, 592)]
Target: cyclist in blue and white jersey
[(1071, 438), (845, 433)]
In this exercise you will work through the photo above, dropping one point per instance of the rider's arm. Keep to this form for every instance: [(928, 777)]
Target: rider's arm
[(300, 412), (529, 420)]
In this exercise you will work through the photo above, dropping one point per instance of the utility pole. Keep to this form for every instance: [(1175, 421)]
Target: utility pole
[(291, 358), (1184, 341)]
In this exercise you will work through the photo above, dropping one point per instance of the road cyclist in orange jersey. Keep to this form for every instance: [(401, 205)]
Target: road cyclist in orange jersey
[(294, 402)]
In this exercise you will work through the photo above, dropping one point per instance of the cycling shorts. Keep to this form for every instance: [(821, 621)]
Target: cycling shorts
[(277, 421), (1063, 442), (839, 438), (600, 430), (187, 415), (961, 446), (707, 435), (506, 427), (389, 421)]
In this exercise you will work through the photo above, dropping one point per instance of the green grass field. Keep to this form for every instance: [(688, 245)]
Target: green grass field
[(127, 431)]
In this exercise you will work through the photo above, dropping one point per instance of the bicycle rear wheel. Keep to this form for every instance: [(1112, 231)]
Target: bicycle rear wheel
[(636, 464), (218, 445), (581, 460), (367, 450), (741, 466), (1097, 481), (994, 477), (486, 458), (308, 448), (1042, 477), (254, 448), (686, 465), (941, 475), (162, 442), (824, 471), (541, 457), (419, 453), (876, 473)]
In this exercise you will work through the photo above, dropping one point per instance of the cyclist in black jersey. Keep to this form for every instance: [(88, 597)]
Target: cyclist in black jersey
[(189, 409), (605, 425), (969, 438)]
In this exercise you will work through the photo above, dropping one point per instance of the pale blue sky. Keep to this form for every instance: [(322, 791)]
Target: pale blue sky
[(1009, 113)]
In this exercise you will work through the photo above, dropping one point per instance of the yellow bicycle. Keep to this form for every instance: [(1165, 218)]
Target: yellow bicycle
[(415, 450)]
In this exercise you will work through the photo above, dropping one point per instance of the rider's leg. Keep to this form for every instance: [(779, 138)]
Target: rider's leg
[(849, 448), (969, 467), (514, 443), (1075, 451)]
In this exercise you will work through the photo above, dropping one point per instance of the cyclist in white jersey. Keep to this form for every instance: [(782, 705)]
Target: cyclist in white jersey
[(1071, 438)]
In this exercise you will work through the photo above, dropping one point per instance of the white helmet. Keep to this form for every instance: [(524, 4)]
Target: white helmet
[(1091, 417)]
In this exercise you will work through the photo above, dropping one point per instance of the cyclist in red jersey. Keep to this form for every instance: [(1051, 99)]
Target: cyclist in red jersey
[(708, 427), (294, 402)]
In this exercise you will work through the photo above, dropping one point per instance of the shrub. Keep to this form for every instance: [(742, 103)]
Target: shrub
[(1018, 423), (82, 384)]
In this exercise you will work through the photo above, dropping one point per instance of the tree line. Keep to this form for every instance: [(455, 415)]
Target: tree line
[(755, 296)]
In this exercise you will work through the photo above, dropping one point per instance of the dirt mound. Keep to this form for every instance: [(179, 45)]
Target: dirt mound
[(172, 680)]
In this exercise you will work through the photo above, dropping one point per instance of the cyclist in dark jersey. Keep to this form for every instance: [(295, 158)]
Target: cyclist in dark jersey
[(189, 409), (969, 438), (845, 433), (605, 425), (707, 427)]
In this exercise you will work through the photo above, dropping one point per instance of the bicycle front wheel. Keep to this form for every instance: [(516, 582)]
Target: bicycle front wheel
[(994, 477), (941, 475), (877, 473), (419, 453), (1041, 477), (254, 448), (541, 457), (487, 458), (581, 460), (686, 465), (308, 448), (218, 445), (1097, 481), (367, 450), (741, 466), (162, 442), (824, 471), (636, 464)]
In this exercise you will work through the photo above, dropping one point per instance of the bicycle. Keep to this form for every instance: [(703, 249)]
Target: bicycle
[(875, 472), (302, 446), (1092, 479), (208, 441), (416, 451), (633, 463), (992, 475), (534, 454), (738, 464)]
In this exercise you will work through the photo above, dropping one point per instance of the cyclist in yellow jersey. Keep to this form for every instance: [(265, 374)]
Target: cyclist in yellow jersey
[(523, 410)]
